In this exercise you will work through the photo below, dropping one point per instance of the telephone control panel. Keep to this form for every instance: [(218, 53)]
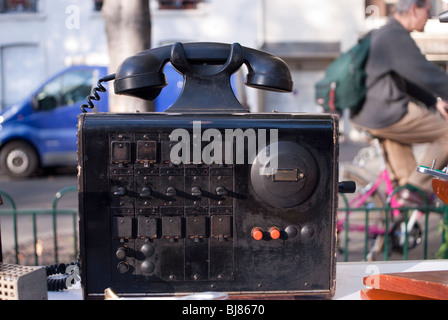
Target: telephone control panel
[(162, 215), (168, 222)]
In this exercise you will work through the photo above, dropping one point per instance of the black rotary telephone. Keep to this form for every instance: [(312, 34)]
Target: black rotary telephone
[(206, 68), (188, 200)]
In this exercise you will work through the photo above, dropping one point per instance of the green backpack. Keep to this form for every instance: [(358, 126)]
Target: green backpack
[(344, 83)]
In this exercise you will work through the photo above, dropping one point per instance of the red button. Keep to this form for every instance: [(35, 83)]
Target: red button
[(274, 232), (257, 234)]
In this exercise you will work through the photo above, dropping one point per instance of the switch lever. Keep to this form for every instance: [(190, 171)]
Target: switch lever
[(196, 191), (146, 192), (121, 191), (221, 191), (170, 191)]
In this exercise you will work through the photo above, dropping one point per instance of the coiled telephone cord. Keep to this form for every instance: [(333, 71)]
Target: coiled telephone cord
[(57, 277), (95, 96)]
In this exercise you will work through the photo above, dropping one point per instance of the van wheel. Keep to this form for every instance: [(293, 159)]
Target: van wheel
[(18, 160)]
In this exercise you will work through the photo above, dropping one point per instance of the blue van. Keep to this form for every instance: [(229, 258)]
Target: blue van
[(40, 131)]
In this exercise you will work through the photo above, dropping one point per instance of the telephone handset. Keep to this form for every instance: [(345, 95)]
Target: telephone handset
[(206, 68)]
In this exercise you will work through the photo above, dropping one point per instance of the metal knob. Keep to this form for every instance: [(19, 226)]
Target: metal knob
[(123, 267), (148, 250), (121, 253), (148, 267)]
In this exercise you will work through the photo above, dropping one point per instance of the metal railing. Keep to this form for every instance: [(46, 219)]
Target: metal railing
[(54, 212), (345, 211)]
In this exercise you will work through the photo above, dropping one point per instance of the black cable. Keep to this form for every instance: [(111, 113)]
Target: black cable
[(59, 282), (95, 96)]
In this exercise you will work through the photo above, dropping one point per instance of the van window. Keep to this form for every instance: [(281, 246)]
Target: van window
[(67, 89)]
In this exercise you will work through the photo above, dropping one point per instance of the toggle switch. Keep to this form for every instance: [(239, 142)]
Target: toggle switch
[(275, 233), (257, 234), (121, 191), (221, 191), (146, 192), (170, 191), (196, 191)]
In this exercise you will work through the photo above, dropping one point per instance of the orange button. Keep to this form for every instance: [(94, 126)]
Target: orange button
[(257, 234), (274, 232)]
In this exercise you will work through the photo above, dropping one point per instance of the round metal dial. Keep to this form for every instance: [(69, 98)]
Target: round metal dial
[(286, 177)]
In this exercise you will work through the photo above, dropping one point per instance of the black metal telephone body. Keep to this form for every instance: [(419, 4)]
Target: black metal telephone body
[(150, 225)]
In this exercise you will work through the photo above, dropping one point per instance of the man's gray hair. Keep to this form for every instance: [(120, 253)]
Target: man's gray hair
[(403, 6)]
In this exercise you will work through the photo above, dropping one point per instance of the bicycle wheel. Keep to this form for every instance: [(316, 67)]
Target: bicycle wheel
[(362, 236), (414, 236)]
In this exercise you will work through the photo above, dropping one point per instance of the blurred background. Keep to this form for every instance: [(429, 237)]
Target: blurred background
[(40, 37)]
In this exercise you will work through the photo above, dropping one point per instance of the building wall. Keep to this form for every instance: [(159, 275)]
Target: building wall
[(255, 22), (34, 46), (258, 23)]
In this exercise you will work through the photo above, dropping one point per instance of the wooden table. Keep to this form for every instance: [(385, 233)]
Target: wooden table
[(349, 276)]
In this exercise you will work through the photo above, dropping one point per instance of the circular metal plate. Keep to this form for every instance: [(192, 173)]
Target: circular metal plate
[(291, 181)]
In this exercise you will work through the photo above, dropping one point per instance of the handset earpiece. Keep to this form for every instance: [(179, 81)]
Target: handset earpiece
[(142, 75), (267, 72)]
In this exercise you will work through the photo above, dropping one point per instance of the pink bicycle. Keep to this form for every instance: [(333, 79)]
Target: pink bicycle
[(372, 215)]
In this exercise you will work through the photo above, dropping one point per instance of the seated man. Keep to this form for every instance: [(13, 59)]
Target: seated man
[(406, 99)]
